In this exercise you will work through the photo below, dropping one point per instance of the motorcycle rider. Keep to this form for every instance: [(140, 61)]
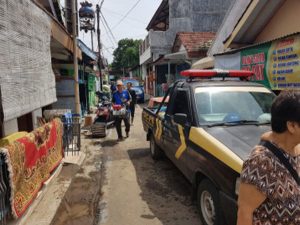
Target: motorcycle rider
[(122, 97)]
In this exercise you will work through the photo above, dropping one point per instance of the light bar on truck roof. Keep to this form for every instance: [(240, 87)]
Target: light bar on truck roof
[(215, 73)]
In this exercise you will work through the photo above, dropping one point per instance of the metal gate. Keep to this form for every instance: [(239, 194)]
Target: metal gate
[(71, 136)]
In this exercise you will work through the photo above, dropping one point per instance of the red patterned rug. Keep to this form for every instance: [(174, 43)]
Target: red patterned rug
[(30, 161)]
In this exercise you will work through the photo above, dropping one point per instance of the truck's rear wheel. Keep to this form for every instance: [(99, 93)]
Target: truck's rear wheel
[(208, 204), (156, 152)]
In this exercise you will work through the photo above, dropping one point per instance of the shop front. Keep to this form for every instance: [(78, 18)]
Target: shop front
[(276, 64)]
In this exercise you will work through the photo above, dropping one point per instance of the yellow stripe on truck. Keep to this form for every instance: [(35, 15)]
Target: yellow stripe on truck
[(182, 147), (211, 145), (158, 131)]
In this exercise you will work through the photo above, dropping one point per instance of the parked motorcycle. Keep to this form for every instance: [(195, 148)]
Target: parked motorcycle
[(104, 117), (104, 113)]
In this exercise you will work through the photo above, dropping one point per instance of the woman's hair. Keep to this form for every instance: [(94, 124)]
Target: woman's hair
[(286, 107)]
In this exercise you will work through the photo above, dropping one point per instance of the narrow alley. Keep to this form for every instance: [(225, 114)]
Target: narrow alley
[(119, 181)]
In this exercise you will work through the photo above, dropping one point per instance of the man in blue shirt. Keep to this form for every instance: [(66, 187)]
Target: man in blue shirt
[(123, 98)]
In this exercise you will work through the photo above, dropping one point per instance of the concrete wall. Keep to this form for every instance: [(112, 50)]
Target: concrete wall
[(35, 114), (10, 127), (189, 16), (145, 56), (285, 21), (65, 103), (207, 15), (157, 38), (65, 95), (231, 18), (144, 71)]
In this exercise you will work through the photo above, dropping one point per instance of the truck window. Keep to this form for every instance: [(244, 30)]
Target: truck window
[(228, 104), (180, 104)]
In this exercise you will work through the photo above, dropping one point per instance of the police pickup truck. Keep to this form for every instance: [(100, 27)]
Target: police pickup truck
[(207, 129)]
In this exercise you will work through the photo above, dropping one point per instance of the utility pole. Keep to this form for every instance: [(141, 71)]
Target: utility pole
[(92, 40), (75, 61), (98, 8)]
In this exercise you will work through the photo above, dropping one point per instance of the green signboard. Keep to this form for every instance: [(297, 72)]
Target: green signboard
[(275, 64), (255, 59)]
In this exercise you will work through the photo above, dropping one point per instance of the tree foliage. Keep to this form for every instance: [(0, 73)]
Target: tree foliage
[(126, 55)]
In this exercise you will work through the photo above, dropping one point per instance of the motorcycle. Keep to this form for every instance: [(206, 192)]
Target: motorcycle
[(104, 113), (104, 117)]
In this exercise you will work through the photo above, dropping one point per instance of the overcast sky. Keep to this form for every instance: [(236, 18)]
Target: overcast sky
[(133, 26)]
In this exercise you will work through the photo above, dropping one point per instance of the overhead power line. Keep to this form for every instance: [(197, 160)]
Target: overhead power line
[(122, 15), (108, 30), (126, 14), (108, 37), (107, 49)]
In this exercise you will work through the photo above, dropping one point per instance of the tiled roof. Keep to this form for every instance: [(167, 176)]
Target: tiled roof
[(195, 43)]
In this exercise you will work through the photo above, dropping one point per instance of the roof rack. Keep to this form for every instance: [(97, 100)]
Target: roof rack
[(196, 74)]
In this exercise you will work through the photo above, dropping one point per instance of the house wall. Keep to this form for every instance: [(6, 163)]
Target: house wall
[(35, 114), (207, 15), (285, 21), (145, 56), (65, 95), (227, 26), (10, 127), (184, 16), (160, 43), (188, 16), (27, 80)]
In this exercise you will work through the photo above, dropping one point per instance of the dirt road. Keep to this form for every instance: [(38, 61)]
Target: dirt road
[(137, 190), (79, 205), (119, 184)]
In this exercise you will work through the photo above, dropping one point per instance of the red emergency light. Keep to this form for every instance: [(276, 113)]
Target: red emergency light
[(193, 73)]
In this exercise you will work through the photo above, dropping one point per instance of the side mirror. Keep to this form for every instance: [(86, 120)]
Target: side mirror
[(180, 118)]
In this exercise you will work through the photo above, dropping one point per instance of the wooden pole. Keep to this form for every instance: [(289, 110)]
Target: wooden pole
[(75, 60), (99, 43)]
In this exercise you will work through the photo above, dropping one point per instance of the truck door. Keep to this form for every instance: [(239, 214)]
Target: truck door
[(175, 135)]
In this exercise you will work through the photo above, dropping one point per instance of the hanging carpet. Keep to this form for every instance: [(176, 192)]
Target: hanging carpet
[(30, 161)]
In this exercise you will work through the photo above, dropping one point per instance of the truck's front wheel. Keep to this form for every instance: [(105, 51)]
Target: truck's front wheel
[(209, 204), (156, 152)]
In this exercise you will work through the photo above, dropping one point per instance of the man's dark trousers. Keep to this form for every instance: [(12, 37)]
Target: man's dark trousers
[(132, 110), (118, 124)]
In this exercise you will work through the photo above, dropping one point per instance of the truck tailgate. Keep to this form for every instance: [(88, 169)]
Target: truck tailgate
[(148, 119)]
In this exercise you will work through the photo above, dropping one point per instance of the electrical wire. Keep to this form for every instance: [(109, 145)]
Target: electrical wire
[(141, 35), (122, 15), (108, 28), (126, 14), (107, 32), (107, 49)]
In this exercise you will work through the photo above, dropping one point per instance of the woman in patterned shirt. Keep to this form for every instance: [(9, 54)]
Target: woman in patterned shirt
[(269, 194)]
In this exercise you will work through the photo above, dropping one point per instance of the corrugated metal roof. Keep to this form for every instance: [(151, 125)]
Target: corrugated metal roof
[(86, 50)]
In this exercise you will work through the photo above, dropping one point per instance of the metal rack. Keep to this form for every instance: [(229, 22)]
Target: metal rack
[(72, 130)]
